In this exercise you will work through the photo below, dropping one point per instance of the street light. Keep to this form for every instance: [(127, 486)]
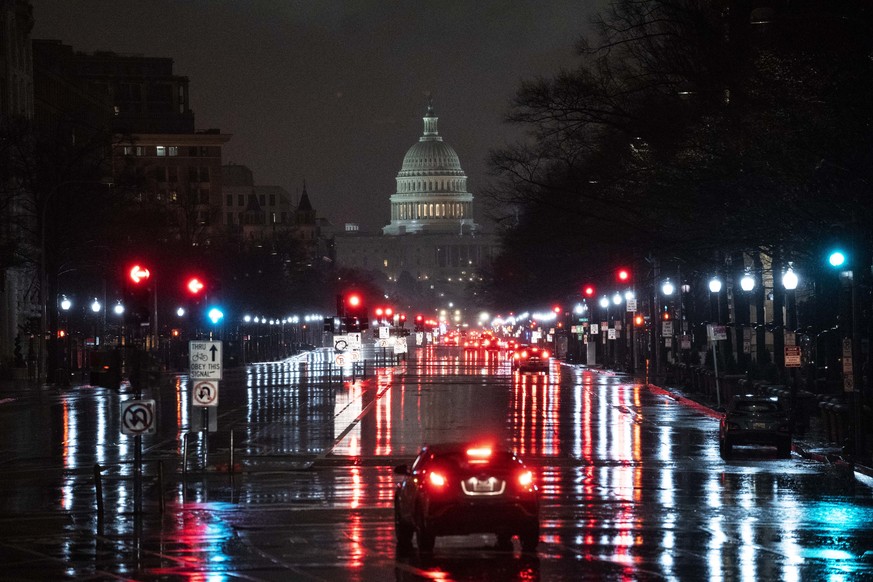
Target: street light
[(789, 279), (747, 283), (715, 285), (667, 288), (604, 302)]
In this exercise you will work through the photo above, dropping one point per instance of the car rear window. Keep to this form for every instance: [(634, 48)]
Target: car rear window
[(755, 406), (462, 461)]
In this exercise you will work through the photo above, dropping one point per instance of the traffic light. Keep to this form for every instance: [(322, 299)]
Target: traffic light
[(623, 275), (665, 316), (352, 309), (195, 287), (837, 258), (419, 323), (589, 290), (138, 293), (639, 320)]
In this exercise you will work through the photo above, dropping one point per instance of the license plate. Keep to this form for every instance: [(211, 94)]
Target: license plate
[(484, 486), (759, 426)]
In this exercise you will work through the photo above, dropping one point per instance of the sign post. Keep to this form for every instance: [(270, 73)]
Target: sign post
[(205, 369)]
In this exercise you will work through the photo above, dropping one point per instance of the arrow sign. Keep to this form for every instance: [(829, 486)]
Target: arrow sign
[(138, 417), (204, 360), (205, 393)]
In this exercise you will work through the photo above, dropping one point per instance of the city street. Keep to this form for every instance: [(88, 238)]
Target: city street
[(295, 481)]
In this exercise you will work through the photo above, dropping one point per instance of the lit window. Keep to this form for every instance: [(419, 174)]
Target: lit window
[(385, 263), (174, 151), (128, 150), (161, 151)]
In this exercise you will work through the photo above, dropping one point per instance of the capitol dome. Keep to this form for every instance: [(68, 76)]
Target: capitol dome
[(431, 194)]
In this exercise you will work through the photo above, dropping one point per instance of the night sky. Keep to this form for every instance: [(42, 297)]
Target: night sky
[(333, 92)]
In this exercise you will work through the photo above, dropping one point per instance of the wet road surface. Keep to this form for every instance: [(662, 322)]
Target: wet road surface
[(632, 484)]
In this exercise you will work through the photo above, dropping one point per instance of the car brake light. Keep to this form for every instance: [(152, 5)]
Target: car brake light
[(544, 354), (524, 354), (525, 478), (479, 452), (436, 479)]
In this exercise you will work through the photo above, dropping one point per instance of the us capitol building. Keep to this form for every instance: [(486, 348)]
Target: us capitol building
[(432, 238)]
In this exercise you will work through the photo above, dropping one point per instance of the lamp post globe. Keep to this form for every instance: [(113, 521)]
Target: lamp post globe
[(789, 279), (747, 283), (616, 299), (604, 302), (667, 288), (715, 285)]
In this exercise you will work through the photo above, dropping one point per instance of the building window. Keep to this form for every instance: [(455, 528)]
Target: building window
[(192, 174), (240, 199), (229, 201), (173, 150), (128, 150), (204, 174), (230, 218), (385, 263), (262, 200), (161, 151), (272, 199)]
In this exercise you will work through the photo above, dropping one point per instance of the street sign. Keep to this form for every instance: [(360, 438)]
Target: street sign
[(631, 305), (667, 328), (340, 343), (357, 356), (419, 338), (792, 356), (384, 342), (341, 359), (595, 329), (400, 347), (204, 360), (849, 383), (205, 393), (354, 340), (610, 333), (716, 332), (138, 417), (384, 332)]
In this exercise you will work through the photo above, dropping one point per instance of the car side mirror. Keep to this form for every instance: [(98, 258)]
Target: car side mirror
[(401, 470)]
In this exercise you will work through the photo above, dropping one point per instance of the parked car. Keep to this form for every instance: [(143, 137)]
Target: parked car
[(466, 488), (530, 359), (755, 420)]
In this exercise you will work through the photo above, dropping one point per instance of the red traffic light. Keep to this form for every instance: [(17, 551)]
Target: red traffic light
[(138, 274), (638, 320), (556, 309), (588, 290), (379, 312), (194, 286), (353, 300), (419, 318), (666, 316), (623, 275)]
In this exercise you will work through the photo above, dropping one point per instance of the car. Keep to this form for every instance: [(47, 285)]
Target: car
[(755, 420), (466, 488), (530, 359)]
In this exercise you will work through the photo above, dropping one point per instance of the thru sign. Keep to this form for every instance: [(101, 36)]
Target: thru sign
[(204, 360)]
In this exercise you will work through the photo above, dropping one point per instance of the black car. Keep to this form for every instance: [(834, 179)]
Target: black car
[(530, 359), (462, 488), (755, 420)]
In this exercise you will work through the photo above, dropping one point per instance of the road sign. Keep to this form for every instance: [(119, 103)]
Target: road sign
[(383, 343), (610, 333), (849, 383), (792, 356), (357, 356), (595, 329), (341, 359), (205, 393), (340, 343), (631, 305), (384, 332), (138, 417), (205, 360), (716, 332), (400, 346), (354, 340)]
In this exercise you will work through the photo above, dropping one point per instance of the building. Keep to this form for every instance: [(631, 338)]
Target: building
[(19, 299), (432, 241)]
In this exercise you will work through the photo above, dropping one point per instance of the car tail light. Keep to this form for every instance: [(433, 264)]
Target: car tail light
[(544, 354), (436, 479), (524, 354), (525, 478)]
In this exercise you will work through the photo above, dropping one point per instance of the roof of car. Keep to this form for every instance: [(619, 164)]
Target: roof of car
[(460, 447)]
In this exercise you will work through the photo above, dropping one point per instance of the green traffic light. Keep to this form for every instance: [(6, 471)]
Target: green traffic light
[(215, 315), (837, 259)]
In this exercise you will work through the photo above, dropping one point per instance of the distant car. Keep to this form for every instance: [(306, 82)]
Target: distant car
[(755, 420), (464, 488), (530, 359)]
